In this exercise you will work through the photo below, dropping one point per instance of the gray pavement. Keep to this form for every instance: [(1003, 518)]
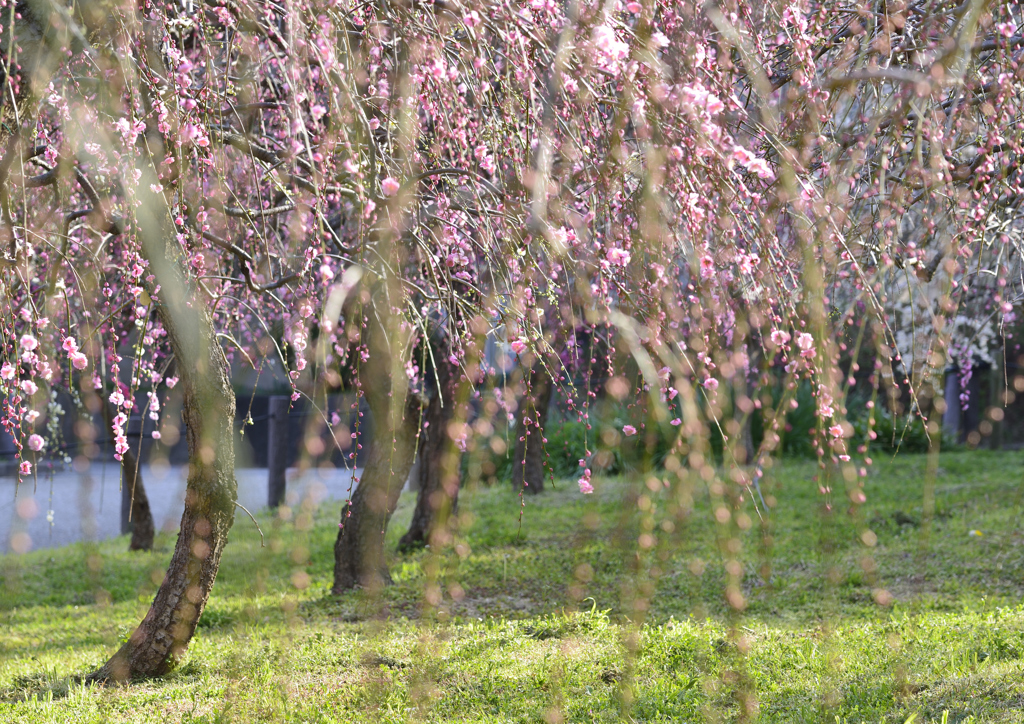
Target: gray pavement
[(68, 506)]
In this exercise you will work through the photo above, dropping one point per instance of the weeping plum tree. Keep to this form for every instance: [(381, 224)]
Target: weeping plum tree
[(694, 180)]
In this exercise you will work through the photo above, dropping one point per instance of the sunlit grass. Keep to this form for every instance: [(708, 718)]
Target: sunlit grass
[(520, 634)]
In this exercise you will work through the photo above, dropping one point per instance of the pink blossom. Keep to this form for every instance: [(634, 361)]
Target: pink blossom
[(28, 342), (585, 487), (677, 422), (29, 387), (619, 257), (25, 468), (78, 360), (779, 337), (518, 346), (805, 341), (389, 186), (711, 383), (610, 51), (70, 345), (761, 169), (825, 409), (707, 267), (606, 41), (753, 164), (36, 442), (697, 96), (629, 430), (8, 371), (836, 431), (749, 262), (713, 104)]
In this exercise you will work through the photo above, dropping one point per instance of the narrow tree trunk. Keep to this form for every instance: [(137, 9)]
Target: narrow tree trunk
[(995, 398), (136, 516), (746, 446), (528, 463), (359, 548), (135, 505), (435, 444), (208, 409)]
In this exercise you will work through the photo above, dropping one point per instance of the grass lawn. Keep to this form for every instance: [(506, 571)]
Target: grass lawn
[(560, 615)]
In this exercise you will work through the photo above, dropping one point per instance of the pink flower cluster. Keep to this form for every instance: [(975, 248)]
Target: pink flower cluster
[(585, 485), (118, 400), (78, 359)]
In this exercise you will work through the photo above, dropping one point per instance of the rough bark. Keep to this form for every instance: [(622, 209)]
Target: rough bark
[(359, 549), (528, 460), (359, 560), (435, 449), (208, 410)]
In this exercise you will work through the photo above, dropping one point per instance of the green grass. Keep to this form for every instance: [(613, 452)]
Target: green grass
[(562, 617)]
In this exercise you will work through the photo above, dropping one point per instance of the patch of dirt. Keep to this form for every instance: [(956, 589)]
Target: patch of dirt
[(481, 602), (907, 588)]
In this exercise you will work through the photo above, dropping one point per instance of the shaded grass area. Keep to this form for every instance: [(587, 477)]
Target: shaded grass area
[(558, 609)]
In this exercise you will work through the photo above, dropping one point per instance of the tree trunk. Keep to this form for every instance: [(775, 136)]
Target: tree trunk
[(434, 465), (136, 516), (135, 510), (528, 460), (359, 548), (47, 34), (208, 409)]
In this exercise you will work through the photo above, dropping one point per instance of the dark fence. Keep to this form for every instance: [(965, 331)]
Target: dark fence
[(304, 431)]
